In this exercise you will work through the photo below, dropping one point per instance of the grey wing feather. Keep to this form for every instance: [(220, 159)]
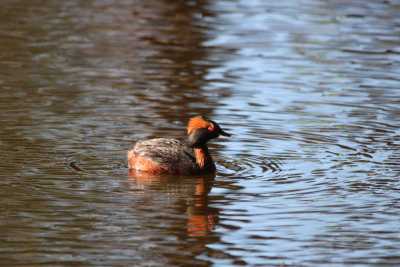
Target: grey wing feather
[(161, 150)]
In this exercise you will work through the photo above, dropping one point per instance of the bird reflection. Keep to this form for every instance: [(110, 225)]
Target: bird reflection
[(191, 193)]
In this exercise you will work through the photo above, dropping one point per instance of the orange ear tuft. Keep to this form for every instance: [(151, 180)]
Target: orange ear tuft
[(196, 123)]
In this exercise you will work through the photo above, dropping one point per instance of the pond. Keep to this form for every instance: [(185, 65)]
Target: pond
[(309, 89)]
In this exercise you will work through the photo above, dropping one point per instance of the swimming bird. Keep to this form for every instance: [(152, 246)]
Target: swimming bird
[(171, 156)]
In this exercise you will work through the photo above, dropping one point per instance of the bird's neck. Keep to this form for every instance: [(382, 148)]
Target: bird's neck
[(203, 157)]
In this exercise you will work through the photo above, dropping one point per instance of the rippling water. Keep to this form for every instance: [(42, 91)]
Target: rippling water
[(310, 90)]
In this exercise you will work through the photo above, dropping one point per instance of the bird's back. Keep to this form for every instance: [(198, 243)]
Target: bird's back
[(161, 155)]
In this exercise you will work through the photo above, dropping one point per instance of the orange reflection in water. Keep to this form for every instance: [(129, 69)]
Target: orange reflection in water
[(201, 219)]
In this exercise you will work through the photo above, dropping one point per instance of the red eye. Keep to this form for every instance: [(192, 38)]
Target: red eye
[(211, 127)]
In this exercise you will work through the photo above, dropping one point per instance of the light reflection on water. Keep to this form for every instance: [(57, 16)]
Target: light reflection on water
[(309, 90)]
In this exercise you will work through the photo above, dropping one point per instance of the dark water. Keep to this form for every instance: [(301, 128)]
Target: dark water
[(310, 89)]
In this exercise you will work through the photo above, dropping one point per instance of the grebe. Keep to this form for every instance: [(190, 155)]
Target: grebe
[(171, 156)]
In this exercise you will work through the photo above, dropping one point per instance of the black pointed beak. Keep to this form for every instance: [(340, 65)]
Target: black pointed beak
[(222, 132)]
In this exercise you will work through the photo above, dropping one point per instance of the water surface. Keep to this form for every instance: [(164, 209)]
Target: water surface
[(309, 89)]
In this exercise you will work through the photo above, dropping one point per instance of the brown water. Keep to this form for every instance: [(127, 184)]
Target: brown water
[(310, 89)]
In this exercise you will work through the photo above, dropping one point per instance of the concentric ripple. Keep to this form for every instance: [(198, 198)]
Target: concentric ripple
[(248, 167)]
